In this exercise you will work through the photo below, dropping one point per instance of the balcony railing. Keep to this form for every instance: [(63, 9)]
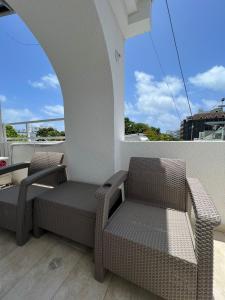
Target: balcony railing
[(29, 136)]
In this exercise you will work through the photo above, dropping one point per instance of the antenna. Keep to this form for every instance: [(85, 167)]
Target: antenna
[(222, 103)]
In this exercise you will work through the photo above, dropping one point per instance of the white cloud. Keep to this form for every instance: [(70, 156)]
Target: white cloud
[(16, 115), (54, 110), (2, 98), (131, 109), (213, 79), (46, 81), (154, 103), (209, 104)]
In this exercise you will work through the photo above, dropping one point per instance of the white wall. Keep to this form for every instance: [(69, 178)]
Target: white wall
[(204, 160)]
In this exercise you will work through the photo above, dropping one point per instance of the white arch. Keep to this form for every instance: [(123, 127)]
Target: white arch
[(71, 34)]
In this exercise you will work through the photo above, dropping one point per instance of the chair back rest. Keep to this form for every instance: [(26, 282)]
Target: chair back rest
[(157, 181), (44, 160)]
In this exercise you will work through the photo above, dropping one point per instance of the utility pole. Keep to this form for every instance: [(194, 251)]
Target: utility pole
[(1, 125), (192, 129)]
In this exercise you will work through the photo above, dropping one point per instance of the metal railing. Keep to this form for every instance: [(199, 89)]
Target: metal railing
[(28, 135)]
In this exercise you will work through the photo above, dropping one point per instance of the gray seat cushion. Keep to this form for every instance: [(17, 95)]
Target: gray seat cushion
[(71, 194), (165, 230), (8, 205), (143, 241), (70, 211), (10, 195)]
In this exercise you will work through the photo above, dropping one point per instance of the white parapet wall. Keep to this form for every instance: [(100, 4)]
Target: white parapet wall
[(204, 160), (23, 152)]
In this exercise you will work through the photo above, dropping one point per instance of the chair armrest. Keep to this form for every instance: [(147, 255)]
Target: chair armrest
[(25, 183), (14, 167), (207, 218), (111, 185), (204, 208), (104, 196), (41, 174)]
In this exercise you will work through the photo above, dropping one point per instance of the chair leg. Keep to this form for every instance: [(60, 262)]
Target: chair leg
[(21, 239), (100, 273), (38, 232)]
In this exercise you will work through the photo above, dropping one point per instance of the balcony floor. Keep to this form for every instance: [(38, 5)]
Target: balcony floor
[(53, 268)]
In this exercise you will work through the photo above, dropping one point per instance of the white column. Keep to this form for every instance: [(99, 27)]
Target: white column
[(115, 46)]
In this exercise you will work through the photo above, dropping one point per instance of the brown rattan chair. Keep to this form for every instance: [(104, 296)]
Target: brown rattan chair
[(149, 239), (16, 202)]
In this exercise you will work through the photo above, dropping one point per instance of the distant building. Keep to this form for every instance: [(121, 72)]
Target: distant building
[(217, 131), (196, 127)]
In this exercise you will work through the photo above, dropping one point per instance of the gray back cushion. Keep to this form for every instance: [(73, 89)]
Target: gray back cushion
[(44, 160), (157, 181)]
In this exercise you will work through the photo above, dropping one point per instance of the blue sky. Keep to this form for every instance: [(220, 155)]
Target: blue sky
[(199, 28), (29, 88)]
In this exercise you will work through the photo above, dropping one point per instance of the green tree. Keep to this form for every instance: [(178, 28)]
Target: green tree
[(11, 131), (166, 137), (129, 126), (152, 133), (49, 131), (141, 127), (132, 127)]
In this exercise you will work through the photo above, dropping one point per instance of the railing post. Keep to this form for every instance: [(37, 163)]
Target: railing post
[(28, 131)]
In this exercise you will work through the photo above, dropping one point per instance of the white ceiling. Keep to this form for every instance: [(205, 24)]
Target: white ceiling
[(132, 16), (131, 6)]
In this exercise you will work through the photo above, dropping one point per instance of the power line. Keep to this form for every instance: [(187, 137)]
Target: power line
[(216, 105), (178, 57), (18, 41), (164, 75)]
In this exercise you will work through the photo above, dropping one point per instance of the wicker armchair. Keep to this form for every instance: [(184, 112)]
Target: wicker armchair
[(16, 202), (149, 239)]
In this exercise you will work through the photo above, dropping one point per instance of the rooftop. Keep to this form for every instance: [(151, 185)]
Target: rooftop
[(208, 115)]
